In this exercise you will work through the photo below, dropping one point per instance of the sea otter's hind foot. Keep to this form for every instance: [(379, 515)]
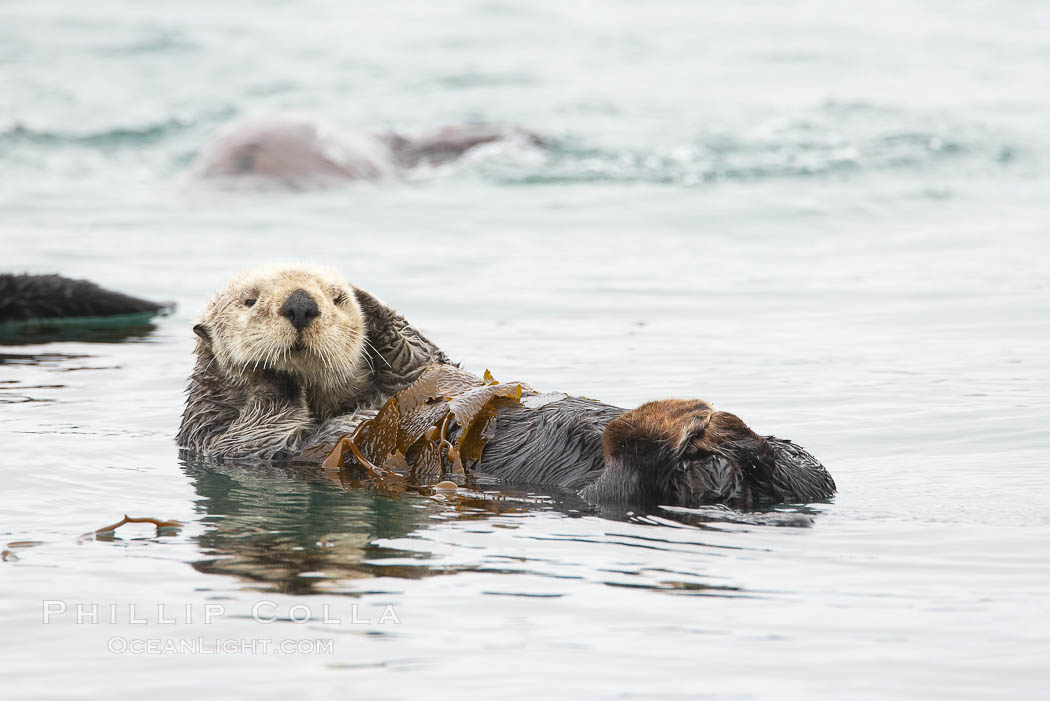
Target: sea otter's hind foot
[(656, 430), (684, 453), (675, 452)]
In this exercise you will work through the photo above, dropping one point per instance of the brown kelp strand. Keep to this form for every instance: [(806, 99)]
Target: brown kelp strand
[(111, 529), (436, 427)]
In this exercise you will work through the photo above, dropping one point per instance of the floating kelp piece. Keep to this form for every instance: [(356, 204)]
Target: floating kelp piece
[(413, 428), (163, 527), (378, 437), (104, 533), (383, 478), (436, 382), (8, 554), (474, 411)]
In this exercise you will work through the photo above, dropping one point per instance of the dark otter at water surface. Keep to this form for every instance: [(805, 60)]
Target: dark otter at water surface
[(44, 308), (294, 361), (297, 151), (25, 298)]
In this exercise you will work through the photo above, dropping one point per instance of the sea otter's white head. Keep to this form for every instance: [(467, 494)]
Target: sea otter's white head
[(301, 320)]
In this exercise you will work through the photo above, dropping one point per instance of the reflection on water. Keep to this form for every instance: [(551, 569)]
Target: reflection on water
[(16, 391), (299, 530), (38, 358), (292, 531), (38, 333)]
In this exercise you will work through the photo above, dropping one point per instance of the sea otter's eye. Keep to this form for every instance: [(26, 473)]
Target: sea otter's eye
[(249, 302), (340, 297)]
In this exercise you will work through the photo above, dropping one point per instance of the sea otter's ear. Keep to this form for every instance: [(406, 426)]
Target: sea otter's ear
[(202, 331)]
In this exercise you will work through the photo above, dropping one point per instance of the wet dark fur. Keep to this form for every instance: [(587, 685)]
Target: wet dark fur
[(398, 351), (671, 452), (24, 297)]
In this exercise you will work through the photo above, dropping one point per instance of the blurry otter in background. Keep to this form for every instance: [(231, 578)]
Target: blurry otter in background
[(296, 151)]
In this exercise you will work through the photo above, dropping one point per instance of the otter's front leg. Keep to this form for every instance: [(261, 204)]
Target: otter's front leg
[(273, 421), (397, 352)]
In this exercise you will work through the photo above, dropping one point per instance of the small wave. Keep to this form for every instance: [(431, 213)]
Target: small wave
[(727, 159), (163, 41), (836, 139), (118, 137), (480, 79), (833, 139)]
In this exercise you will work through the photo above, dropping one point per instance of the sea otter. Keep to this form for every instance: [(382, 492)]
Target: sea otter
[(296, 151), (38, 308), (294, 361), (286, 354), (35, 298)]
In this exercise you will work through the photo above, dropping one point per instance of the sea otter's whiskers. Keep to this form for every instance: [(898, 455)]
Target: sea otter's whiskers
[(368, 360), (323, 353), (376, 351)]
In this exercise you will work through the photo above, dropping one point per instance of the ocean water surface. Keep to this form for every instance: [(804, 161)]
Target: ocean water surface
[(830, 220)]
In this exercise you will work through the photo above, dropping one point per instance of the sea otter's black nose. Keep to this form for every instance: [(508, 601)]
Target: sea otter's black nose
[(300, 309)]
